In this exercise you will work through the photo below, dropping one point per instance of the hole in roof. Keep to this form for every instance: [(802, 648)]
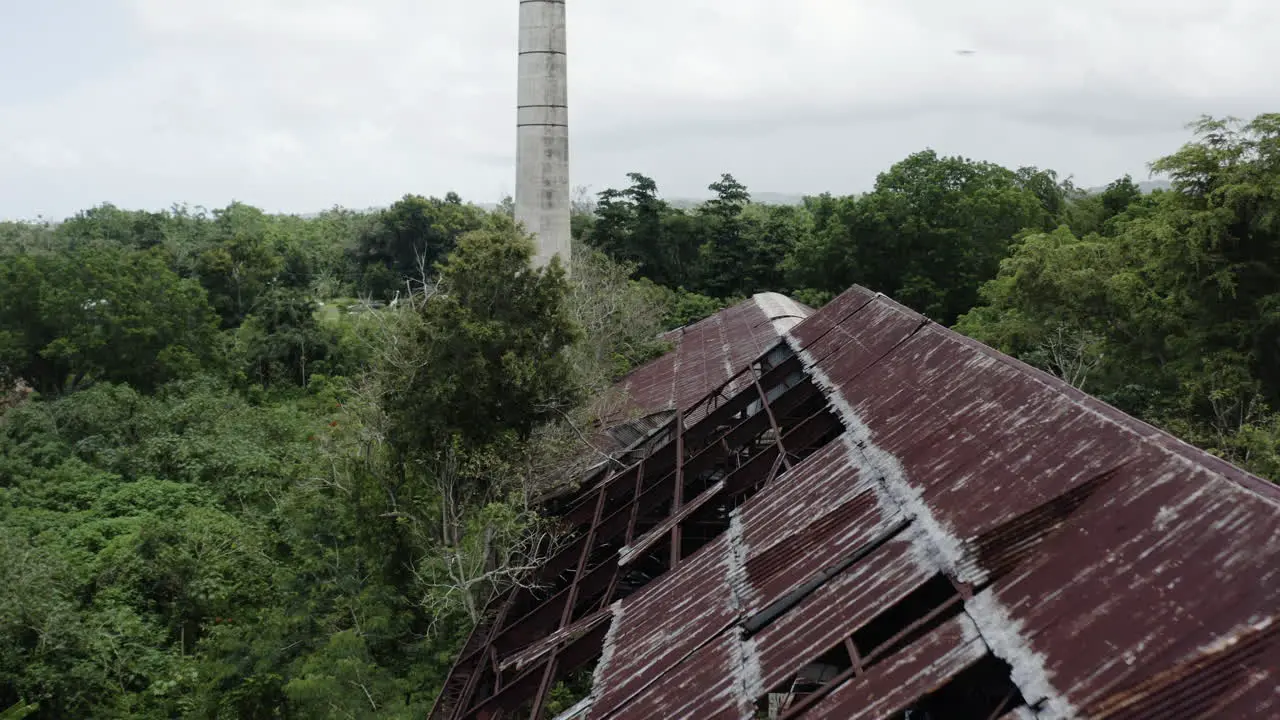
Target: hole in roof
[(641, 571), (569, 692), (981, 691), (914, 616), (811, 678), (705, 525)]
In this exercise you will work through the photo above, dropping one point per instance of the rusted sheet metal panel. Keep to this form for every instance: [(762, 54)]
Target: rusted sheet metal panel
[(707, 685), (874, 331), (811, 547), (747, 342), (667, 621), (1128, 551), (1128, 423), (996, 442), (1031, 467), (1143, 579), (825, 479), (783, 312), (537, 650), (708, 353), (981, 443), (630, 433), (702, 363), (900, 400), (1237, 677), (918, 669), (654, 536), (1257, 698), (940, 369), (838, 608), (832, 315)]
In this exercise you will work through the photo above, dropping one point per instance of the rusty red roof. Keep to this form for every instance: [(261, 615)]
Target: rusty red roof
[(709, 352), (884, 519)]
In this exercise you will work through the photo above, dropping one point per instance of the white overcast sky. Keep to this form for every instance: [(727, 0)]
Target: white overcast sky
[(297, 105)]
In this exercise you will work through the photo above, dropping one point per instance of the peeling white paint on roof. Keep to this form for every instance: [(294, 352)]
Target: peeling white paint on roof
[(739, 589), (1226, 641), (942, 549), (606, 653), (748, 672), (873, 462), (1021, 713), (781, 310), (1003, 635)]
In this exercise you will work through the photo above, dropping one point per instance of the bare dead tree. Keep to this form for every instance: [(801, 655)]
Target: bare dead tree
[(584, 202), (13, 394), (1071, 355), (422, 287), (1234, 409), (469, 575), (447, 481)]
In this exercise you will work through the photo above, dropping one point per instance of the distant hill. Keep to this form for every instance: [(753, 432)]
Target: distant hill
[(772, 198), (765, 198), (780, 198), (1146, 186), (777, 198)]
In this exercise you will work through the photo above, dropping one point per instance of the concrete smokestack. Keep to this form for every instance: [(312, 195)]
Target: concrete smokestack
[(542, 128)]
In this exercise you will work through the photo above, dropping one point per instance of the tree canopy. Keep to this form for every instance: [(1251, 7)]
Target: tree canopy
[(264, 466), (1167, 307)]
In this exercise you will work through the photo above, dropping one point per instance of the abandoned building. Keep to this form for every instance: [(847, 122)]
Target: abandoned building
[(856, 513)]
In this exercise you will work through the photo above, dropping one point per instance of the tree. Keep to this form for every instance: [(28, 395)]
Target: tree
[(493, 334), (283, 340), (106, 223), (770, 234), (728, 247), (410, 238), (1100, 212), (1177, 295), (1051, 193), (636, 226), (724, 251), (19, 238), (1223, 269), (818, 260), (933, 230), (241, 265), (102, 313), (1118, 196)]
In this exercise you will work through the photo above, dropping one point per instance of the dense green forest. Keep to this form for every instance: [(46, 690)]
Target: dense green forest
[(261, 466)]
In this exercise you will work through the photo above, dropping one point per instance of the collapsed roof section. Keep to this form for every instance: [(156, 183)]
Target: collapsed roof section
[(709, 353), (706, 356), (879, 518)]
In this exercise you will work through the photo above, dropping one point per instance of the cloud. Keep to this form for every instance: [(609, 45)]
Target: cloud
[(299, 104)]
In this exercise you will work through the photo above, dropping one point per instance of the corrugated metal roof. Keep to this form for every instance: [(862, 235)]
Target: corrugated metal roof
[(980, 536), (915, 671), (656, 630), (708, 353), (1124, 551)]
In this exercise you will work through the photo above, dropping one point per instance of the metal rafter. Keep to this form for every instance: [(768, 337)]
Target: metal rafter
[(677, 497), (861, 662), (617, 502), (773, 422), (566, 616)]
